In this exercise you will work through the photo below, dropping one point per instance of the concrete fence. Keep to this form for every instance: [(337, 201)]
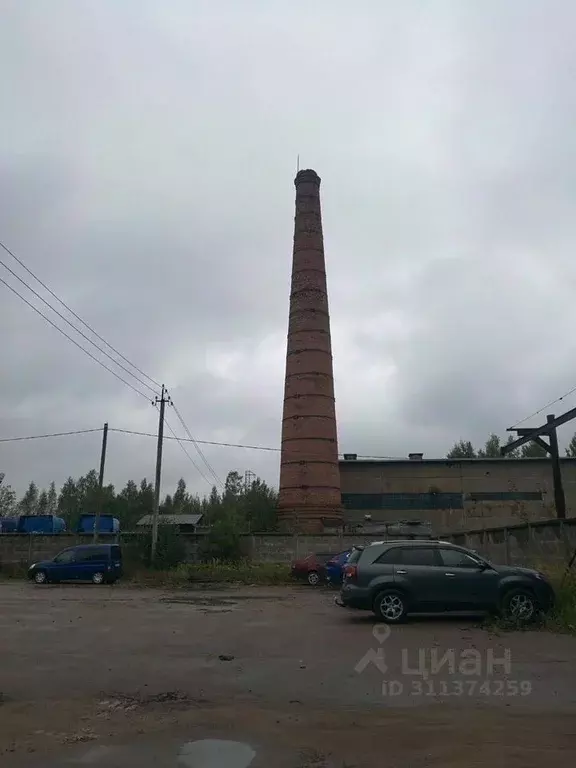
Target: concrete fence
[(546, 541), (549, 542)]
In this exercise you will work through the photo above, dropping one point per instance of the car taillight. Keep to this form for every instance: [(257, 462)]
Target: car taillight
[(350, 572)]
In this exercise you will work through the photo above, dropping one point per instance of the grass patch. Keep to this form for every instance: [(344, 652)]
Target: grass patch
[(265, 574), (240, 573), (562, 618)]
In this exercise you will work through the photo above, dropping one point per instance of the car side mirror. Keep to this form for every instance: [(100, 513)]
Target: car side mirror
[(482, 566)]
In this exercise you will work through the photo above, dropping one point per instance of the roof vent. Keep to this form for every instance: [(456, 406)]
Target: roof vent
[(415, 456), (350, 456)]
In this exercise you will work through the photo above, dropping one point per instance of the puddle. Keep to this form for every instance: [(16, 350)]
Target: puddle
[(214, 753), (205, 753)]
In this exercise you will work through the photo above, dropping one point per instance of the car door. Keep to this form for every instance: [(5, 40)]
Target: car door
[(418, 569), (62, 568), (471, 584), (89, 560)]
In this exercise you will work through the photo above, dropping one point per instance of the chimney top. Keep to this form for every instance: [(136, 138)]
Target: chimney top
[(415, 456), (307, 176)]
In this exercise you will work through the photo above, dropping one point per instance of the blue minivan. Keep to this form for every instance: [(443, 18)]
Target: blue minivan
[(98, 563)]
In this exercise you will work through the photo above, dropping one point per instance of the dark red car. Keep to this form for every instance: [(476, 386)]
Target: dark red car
[(311, 568)]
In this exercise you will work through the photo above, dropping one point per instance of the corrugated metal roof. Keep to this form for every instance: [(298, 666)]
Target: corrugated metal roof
[(171, 519)]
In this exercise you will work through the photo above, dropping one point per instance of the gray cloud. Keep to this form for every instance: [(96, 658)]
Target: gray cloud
[(146, 160)]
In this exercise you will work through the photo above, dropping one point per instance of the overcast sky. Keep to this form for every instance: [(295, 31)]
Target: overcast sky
[(147, 157)]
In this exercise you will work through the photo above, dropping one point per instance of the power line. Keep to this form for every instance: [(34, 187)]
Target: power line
[(84, 323), (52, 434), (88, 339), (240, 445), (201, 454), (178, 439), (545, 407), (73, 340), (181, 444)]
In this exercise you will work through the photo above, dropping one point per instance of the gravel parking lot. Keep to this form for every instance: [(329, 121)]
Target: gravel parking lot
[(117, 676)]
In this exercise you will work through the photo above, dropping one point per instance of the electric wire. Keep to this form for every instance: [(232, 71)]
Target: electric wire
[(265, 448), (183, 447), (88, 339), (84, 323), (544, 407), (241, 445), (52, 434), (53, 324), (200, 452)]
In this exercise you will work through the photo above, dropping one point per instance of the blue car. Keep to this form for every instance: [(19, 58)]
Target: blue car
[(335, 567), (98, 563)]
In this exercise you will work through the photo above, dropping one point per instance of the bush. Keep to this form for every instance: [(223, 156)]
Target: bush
[(563, 617), (170, 548), (223, 541)]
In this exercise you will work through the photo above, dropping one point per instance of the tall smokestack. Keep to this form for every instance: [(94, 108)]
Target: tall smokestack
[(309, 475)]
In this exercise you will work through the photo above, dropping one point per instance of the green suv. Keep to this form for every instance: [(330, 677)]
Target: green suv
[(396, 578)]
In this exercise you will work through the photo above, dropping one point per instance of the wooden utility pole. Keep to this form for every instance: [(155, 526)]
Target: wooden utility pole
[(101, 482), (162, 400), (559, 498), (527, 434)]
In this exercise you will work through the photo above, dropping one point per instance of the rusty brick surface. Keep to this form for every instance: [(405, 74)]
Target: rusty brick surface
[(309, 474)]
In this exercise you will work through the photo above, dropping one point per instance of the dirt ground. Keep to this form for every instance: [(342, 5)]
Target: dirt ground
[(115, 676)]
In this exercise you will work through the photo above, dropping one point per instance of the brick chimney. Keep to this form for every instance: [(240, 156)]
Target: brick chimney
[(309, 493)]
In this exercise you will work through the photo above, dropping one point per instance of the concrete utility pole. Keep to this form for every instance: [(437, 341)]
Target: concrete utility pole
[(101, 482), (163, 399)]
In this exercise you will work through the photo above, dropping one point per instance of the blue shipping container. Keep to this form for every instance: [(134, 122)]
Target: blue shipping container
[(41, 524), (8, 524), (106, 524)]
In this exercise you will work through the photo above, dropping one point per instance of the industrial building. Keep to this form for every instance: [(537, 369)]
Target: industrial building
[(452, 494)]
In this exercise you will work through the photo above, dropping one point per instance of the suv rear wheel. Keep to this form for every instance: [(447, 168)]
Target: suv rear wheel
[(390, 606)]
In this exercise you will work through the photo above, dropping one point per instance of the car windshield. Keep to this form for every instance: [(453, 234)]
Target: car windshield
[(67, 556)]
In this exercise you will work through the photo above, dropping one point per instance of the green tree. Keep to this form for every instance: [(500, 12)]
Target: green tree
[(223, 541), (8, 504), (29, 502), (259, 506), (571, 450), (233, 489), (129, 505), (52, 501), (145, 499), (42, 508), (491, 449), (515, 453), (463, 449), (88, 492), (181, 498), (532, 450), (69, 503), (212, 506)]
